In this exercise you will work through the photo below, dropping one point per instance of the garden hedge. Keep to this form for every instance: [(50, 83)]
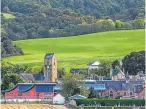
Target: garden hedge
[(111, 102)]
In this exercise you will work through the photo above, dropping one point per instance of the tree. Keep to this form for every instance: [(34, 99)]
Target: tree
[(92, 93), (73, 84), (134, 62), (11, 85), (104, 69), (138, 23), (61, 72), (119, 24), (107, 25), (10, 79), (115, 63), (6, 9), (128, 25)]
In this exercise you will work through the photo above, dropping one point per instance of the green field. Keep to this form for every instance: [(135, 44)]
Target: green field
[(77, 51)]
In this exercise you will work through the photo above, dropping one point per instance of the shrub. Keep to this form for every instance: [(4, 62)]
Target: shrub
[(111, 102)]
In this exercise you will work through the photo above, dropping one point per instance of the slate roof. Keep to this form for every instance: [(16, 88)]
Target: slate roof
[(57, 87), (77, 70), (100, 85), (49, 55), (8, 90), (77, 97), (116, 85), (95, 86), (39, 77), (23, 87), (90, 63), (27, 76), (116, 71), (33, 77)]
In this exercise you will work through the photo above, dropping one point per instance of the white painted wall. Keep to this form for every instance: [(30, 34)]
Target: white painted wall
[(58, 99), (93, 67)]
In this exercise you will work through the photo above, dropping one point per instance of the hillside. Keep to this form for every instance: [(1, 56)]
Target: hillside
[(78, 51), (117, 9), (32, 19)]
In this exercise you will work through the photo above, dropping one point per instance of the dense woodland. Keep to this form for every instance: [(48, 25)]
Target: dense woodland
[(29, 19), (117, 9)]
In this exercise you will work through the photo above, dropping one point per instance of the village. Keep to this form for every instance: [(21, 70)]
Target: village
[(47, 87)]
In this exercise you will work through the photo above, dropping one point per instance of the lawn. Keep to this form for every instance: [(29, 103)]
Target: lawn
[(77, 51)]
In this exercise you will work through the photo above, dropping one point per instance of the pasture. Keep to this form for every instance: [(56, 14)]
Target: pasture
[(77, 51)]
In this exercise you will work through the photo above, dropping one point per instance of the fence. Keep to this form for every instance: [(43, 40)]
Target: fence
[(105, 107), (25, 100)]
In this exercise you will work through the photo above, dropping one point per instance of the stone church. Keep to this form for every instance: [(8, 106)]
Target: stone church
[(49, 73), (50, 67)]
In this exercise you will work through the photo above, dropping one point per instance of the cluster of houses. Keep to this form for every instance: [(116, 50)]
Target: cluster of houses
[(48, 87)]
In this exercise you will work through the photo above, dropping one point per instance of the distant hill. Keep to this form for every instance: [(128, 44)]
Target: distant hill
[(78, 51)]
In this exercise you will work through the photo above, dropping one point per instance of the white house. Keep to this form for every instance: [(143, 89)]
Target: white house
[(58, 99), (93, 65)]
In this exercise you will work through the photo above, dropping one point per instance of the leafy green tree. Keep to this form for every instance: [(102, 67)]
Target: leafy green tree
[(107, 25), (138, 23), (92, 93), (6, 9), (127, 25), (73, 84), (10, 79), (115, 63), (134, 62), (104, 69), (119, 24), (61, 72), (11, 85)]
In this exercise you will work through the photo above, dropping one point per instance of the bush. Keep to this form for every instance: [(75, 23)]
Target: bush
[(118, 97), (111, 102), (123, 107)]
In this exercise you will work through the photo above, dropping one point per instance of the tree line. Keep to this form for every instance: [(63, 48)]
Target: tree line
[(61, 23)]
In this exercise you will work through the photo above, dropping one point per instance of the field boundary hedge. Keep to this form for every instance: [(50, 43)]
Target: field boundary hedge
[(111, 102)]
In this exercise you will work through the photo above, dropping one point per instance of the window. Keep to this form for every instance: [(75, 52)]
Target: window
[(118, 93), (38, 95), (111, 94), (20, 94)]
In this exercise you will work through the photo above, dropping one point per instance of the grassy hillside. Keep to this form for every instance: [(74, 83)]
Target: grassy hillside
[(78, 51)]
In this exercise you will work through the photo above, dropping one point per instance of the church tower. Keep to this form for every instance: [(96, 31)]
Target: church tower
[(50, 67)]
